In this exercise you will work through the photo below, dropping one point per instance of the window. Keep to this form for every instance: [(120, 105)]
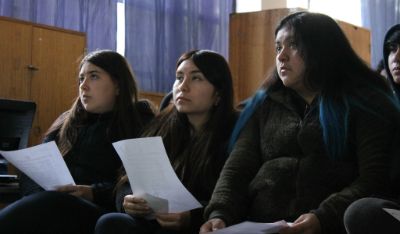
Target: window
[(121, 27), (344, 10)]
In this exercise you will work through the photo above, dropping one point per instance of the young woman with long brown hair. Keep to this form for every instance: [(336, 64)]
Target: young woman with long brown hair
[(195, 130), (106, 110)]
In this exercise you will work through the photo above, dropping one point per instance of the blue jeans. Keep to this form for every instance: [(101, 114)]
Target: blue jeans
[(49, 212)]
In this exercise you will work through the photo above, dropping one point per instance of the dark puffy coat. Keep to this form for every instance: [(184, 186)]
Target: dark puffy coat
[(280, 169)]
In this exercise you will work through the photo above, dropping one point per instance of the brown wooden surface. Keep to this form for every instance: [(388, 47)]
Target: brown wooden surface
[(154, 97), (15, 56), (251, 47), (55, 53), (359, 38)]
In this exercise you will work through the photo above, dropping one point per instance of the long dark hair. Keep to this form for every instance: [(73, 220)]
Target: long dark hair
[(198, 157), (334, 70), (125, 122)]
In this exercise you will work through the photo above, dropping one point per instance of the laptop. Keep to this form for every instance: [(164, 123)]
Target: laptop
[(16, 118)]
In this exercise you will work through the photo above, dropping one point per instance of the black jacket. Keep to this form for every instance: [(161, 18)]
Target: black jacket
[(92, 160)]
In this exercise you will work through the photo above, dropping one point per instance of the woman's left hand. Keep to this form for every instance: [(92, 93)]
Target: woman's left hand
[(83, 191), (305, 224), (174, 221)]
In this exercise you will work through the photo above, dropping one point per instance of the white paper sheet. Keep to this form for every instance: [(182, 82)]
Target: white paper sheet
[(252, 228), (152, 177), (43, 164), (393, 212)]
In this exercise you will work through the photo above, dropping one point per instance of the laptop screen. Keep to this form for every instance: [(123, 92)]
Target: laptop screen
[(16, 118)]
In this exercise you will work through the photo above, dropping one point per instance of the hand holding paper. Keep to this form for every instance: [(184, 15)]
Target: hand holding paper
[(152, 177)]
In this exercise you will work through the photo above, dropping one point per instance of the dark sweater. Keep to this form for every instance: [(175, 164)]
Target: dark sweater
[(280, 169), (202, 192), (201, 188), (92, 160)]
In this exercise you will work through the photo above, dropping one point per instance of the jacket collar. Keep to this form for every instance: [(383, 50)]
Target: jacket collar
[(291, 100)]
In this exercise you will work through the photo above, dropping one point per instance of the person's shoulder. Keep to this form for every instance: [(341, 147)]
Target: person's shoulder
[(378, 101), (375, 95), (63, 115), (144, 105), (54, 129), (145, 108)]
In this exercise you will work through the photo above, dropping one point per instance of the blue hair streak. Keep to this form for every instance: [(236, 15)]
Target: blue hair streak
[(334, 119)]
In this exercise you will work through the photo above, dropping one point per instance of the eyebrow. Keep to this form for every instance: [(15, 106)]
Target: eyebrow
[(192, 72), (89, 72), (290, 38)]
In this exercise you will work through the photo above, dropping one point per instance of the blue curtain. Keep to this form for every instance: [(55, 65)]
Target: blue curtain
[(379, 16), (159, 31), (98, 19)]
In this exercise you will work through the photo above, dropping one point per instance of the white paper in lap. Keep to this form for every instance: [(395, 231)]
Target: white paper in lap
[(43, 163), (393, 212), (150, 172), (253, 228)]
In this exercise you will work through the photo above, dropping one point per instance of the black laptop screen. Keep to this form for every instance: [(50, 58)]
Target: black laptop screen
[(16, 119)]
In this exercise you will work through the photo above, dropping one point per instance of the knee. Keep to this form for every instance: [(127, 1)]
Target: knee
[(363, 211), (359, 209), (26, 204), (123, 224), (108, 223), (45, 196), (106, 219)]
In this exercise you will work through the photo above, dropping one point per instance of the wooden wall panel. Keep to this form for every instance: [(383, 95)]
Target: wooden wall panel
[(56, 55), (251, 47), (154, 97), (15, 56), (53, 56), (359, 38)]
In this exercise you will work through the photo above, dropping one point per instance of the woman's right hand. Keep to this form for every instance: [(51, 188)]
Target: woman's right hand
[(136, 206), (212, 225)]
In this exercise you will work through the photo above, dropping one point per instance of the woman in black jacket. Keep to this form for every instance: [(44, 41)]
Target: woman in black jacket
[(106, 110), (367, 215)]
